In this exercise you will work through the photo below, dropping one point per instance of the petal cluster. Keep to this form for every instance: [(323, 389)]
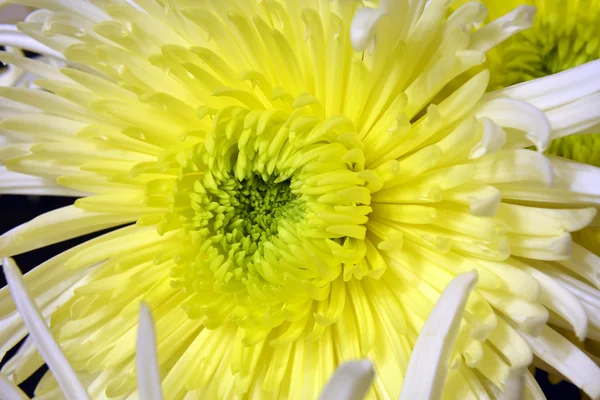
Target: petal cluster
[(563, 36), (299, 181)]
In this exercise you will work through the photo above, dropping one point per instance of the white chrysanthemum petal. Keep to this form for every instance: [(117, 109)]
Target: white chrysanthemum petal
[(48, 348), (39, 68), (132, 238), (532, 389), (576, 117), (518, 115), (514, 386), (12, 332), (32, 128), (497, 31), (48, 302), (10, 391), (529, 316), (474, 381), (508, 166), (557, 89), (12, 108), (494, 138), (593, 314), (516, 281), (573, 182), (580, 289), (563, 355), (11, 74), (16, 183), (363, 27), (43, 100), (558, 299), (350, 381), (570, 98), (146, 359), (52, 278), (551, 248), (426, 372), (482, 200), (584, 263), (468, 15), (10, 36), (539, 221), (24, 363), (575, 177), (66, 222), (507, 340)]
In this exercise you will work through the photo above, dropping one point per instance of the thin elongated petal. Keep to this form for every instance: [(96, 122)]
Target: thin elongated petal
[(532, 389), (563, 355), (499, 30), (578, 117), (55, 226), (305, 179), (10, 36), (558, 299), (557, 89), (576, 177), (10, 391), (24, 363), (531, 120), (572, 110), (48, 348), (146, 359), (350, 381), (428, 365), (514, 387), (16, 183)]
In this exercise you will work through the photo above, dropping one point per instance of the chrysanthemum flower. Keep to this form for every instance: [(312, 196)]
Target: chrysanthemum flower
[(305, 178), (565, 34), (351, 381)]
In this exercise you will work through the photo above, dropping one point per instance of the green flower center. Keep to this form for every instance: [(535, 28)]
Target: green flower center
[(238, 217), (547, 48), (271, 209), (251, 208)]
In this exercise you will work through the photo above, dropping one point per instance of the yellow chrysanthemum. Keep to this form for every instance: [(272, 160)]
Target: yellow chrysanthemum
[(565, 34), (428, 365), (304, 183)]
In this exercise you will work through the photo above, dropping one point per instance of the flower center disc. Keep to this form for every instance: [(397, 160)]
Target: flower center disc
[(270, 203), (250, 209)]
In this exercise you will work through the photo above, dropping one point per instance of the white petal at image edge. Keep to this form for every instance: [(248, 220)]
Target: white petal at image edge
[(428, 365), (350, 381), (146, 358), (41, 335)]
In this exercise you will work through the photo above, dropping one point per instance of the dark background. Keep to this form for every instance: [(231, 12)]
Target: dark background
[(16, 210)]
